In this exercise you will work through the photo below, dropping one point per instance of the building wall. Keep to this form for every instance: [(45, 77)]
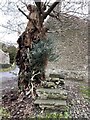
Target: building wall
[(4, 57)]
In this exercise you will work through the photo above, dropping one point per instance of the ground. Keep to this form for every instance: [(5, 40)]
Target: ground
[(78, 103)]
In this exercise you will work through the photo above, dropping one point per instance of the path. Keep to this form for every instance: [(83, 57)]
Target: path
[(78, 104), (8, 80), (9, 74)]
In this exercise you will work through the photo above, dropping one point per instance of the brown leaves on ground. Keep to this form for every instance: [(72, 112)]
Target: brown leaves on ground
[(19, 105)]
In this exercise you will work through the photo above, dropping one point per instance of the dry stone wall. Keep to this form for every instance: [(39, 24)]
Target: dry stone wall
[(71, 44)]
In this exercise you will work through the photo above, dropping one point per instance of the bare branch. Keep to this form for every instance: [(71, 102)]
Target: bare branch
[(38, 4), (23, 13), (50, 9), (54, 16), (27, 17), (24, 3)]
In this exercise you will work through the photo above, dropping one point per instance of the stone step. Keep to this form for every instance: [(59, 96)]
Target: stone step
[(50, 91), (54, 79), (49, 84), (53, 108), (57, 80), (53, 83), (56, 76), (51, 94), (51, 104)]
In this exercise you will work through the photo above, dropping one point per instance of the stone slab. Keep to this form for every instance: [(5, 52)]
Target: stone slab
[(53, 108), (56, 76), (54, 79), (54, 91), (57, 96), (55, 103), (52, 96)]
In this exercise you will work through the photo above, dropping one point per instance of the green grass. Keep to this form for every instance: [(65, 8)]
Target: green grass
[(8, 69), (4, 113), (64, 115), (54, 116), (5, 66), (85, 91)]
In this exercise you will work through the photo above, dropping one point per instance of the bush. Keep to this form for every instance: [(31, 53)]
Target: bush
[(12, 53)]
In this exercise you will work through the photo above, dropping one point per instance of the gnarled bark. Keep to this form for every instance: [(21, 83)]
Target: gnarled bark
[(34, 32)]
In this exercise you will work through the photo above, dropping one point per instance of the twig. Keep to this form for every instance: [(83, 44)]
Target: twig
[(54, 16), (24, 13), (50, 9)]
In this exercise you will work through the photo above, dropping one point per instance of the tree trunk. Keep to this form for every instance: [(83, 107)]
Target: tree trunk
[(34, 32)]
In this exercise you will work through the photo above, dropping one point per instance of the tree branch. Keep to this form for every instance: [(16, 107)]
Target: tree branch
[(24, 14), (27, 17), (54, 10), (54, 16), (50, 9), (38, 4)]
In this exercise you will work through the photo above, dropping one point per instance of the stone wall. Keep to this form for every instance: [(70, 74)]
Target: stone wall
[(78, 75), (71, 44)]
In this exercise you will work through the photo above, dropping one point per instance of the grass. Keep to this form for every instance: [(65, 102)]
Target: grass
[(8, 69), (64, 115), (4, 113), (55, 116), (85, 91)]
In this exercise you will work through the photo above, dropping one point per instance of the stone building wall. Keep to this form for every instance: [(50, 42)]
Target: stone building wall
[(4, 57), (71, 44)]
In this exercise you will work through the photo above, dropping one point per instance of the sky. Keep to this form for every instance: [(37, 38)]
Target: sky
[(8, 36)]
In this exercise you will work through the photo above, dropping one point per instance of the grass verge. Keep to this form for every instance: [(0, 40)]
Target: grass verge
[(8, 69), (4, 113), (85, 91)]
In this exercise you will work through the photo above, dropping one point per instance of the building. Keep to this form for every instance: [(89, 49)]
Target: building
[(4, 57)]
